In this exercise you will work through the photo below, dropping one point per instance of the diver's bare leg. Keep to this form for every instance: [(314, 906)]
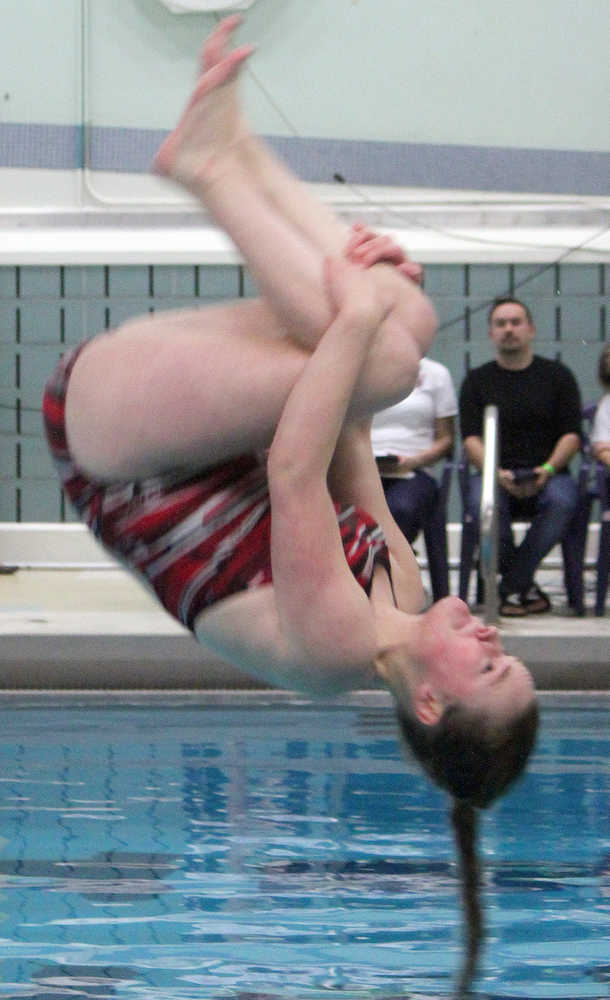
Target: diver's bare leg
[(290, 196), (204, 155)]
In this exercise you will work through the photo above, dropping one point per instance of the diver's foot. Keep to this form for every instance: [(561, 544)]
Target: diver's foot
[(211, 124)]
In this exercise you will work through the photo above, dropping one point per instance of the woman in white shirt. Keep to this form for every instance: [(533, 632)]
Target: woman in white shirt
[(600, 435), (408, 438)]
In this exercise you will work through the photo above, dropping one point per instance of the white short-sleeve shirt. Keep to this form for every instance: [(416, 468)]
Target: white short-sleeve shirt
[(601, 421), (407, 428)]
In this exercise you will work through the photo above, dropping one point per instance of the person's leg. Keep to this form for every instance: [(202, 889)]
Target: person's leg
[(506, 545), (179, 390), (206, 154), (555, 507), (410, 501), (281, 187), (472, 506), (191, 389), (284, 239), (506, 538), (293, 199), (434, 529)]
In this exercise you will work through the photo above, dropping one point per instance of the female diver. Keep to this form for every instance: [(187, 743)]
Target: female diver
[(224, 455)]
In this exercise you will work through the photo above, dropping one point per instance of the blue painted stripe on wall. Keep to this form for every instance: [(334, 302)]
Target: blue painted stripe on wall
[(484, 168), (124, 149), (53, 147)]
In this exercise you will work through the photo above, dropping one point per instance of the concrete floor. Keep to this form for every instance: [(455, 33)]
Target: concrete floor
[(99, 628)]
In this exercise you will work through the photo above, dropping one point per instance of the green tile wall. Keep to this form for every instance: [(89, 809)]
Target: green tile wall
[(45, 309)]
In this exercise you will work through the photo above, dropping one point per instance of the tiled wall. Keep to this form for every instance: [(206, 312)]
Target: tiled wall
[(45, 309)]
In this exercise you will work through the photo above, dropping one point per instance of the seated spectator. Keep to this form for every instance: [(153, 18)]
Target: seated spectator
[(600, 435), (540, 427), (411, 436)]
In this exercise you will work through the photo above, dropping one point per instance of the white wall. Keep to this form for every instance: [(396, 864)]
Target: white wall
[(478, 74), (529, 73)]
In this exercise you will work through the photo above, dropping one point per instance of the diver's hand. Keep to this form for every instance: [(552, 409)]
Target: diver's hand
[(366, 247)]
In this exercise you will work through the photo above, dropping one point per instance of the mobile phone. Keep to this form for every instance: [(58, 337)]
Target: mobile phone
[(524, 475), (387, 459)]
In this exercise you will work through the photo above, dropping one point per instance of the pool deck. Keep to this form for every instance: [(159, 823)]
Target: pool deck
[(97, 628), (72, 618)]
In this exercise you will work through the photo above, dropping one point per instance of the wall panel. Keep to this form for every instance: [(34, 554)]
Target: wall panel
[(45, 309)]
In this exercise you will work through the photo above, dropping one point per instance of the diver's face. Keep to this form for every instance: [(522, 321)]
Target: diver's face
[(465, 661)]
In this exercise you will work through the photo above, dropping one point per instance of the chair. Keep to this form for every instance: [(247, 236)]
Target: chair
[(572, 546), (603, 555), (435, 537), (596, 487)]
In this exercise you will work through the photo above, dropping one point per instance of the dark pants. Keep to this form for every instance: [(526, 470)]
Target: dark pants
[(411, 501), (549, 513)]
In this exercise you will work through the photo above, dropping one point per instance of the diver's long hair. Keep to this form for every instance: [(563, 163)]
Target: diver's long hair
[(475, 761)]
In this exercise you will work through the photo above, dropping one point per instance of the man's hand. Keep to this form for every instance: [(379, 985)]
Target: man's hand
[(542, 477), (521, 491)]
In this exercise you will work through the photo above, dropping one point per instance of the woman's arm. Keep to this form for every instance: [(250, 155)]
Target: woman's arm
[(442, 445), (600, 432), (601, 451), (323, 612), (354, 478)]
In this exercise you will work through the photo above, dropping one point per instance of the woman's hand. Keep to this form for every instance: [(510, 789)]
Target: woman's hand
[(355, 293), (601, 452), (365, 247), (396, 463)]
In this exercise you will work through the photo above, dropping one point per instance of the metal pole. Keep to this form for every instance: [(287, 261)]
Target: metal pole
[(489, 514)]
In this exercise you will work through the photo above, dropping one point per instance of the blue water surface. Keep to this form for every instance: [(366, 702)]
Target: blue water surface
[(177, 850)]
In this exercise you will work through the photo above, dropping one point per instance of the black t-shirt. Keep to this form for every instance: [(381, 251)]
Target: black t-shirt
[(536, 406)]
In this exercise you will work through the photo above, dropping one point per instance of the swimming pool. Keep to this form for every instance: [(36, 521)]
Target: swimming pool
[(187, 847)]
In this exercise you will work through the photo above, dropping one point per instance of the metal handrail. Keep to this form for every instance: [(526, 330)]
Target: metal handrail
[(488, 545)]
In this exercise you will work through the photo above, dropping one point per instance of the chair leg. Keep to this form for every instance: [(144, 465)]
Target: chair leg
[(573, 548), (480, 585), (603, 567), (467, 549)]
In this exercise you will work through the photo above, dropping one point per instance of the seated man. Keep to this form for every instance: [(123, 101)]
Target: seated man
[(540, 426), (408, 438)]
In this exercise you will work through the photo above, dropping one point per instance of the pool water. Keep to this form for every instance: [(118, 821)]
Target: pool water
[(181, 849)]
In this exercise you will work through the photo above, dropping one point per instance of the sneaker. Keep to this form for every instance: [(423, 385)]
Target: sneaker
[(512, 606), (535, 601)]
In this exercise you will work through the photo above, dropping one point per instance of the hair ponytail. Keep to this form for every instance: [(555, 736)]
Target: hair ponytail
[(474, 760), (465, 820)]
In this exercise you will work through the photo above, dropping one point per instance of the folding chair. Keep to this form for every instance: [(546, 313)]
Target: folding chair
[(603, 555)]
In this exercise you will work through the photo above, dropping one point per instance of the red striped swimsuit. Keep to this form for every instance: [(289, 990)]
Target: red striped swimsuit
[(198, 539)]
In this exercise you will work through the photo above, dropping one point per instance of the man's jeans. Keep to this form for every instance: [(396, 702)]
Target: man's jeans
[(550, 513)]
